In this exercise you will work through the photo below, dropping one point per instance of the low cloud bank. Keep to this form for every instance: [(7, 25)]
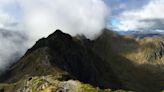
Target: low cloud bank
[(39, 18)]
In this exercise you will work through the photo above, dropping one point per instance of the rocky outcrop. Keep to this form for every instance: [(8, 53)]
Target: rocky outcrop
[(154, 51), (50, 84)]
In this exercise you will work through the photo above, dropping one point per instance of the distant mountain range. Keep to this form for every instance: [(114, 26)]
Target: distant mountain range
[(142, 34)]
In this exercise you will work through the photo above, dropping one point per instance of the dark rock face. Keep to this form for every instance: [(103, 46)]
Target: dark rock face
[(60, 51), (1, 90), (76, 59), (154, 51)]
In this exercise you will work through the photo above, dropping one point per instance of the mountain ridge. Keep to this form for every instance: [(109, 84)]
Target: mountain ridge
[(109, 61), (60, 51)]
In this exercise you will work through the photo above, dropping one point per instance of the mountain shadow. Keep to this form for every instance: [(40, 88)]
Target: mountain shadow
[(134, 76), (66, 58), (99, 62)]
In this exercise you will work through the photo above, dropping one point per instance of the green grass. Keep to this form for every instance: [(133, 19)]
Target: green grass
[(50, 84)]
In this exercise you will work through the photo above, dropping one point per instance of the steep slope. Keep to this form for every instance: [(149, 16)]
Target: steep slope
[(65, 58), (140, 50), (110, 61), (122, 54), (152, 50)]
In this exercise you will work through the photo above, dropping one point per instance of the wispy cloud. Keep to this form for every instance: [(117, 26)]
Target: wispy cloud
[(12, 46), (149, 17), (86, 17), (34, 19)]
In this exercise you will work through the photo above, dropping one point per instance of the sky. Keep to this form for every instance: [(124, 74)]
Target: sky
[(125, 15), (136, 15)]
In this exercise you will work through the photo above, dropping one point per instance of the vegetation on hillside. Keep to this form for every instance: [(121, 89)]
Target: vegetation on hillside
[(50, 84), (110, 61)]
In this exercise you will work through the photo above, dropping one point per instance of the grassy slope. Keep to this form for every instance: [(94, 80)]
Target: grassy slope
[(34, 64), (122, 54)]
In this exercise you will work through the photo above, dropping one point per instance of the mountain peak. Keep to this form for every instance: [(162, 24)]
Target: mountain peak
[(53, 40), (60, 52), (109, 61), (59, 34)]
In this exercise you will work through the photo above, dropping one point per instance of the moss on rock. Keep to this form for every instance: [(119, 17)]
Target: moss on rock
[(50, 84)]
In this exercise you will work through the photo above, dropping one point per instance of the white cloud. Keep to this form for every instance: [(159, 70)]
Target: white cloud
[(86, 17), (6, 2), (39, 18), (12, 46), (7, 21), (146, 18)]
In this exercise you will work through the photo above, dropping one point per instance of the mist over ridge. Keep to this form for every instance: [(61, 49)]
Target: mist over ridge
[(39, 18)]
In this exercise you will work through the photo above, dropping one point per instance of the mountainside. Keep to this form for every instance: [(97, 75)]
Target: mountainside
[(125, 55), (65, 58), (109, 62)]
